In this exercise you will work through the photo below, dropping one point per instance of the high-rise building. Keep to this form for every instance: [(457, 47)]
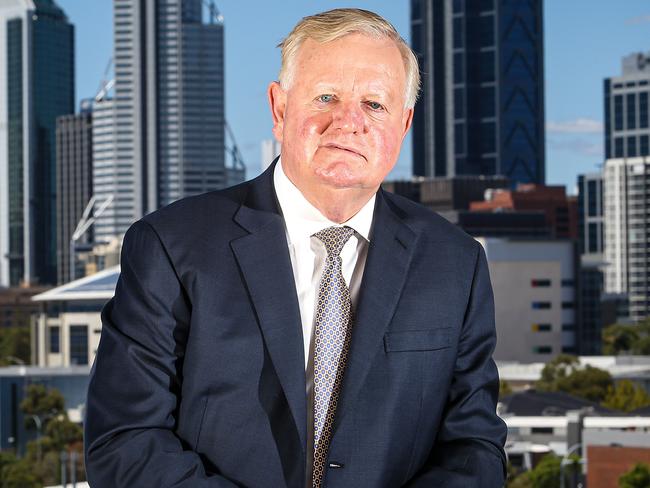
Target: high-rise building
[(590, 246), (590, 213), (626, 109), (627, 233), (36, 86), (481, 109), (110, 176), (169, 105), (74, 151), (626, 177)]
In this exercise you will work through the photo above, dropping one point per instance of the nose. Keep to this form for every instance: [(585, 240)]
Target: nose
[(348, 117)]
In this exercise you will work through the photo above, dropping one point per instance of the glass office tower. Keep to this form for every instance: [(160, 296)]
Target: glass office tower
[(481, 108), (36, 86)]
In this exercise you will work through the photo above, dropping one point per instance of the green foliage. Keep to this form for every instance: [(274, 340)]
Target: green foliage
[(504, 388), (627, 339), (565, 374), (637, 477), (19, 474), (43, 403), (547, 472), (58, 434), (15, 342), (626, 396)]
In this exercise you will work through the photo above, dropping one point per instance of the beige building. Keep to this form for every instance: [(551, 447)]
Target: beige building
[(535, 297), (66, 331)]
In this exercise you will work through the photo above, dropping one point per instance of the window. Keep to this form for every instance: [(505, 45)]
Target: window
[(618, 147), (568, 327), (78, 344), (541, 430), (487, 101), (631, 147), (643, 110), (542, 350), (488, 137), (541, 305), (644, 147), (487, 66), (568, 305), (459, 138), (459, 103), (458, 33), (631, 111), (459, 68), (487, 30), (568, 283), (618, 112), (55, 340), (540, 283), (542, 327)]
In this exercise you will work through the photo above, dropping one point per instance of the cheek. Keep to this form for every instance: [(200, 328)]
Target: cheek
[(386, 145)]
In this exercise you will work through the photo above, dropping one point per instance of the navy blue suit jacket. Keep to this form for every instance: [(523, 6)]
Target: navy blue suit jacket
[(199, 378)]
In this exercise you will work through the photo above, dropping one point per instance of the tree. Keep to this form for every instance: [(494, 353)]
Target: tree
[(565, 374), (19, 474), (637, 477), (627, 338), (626, 396), (15, 342), (504, 388), (43, 403)]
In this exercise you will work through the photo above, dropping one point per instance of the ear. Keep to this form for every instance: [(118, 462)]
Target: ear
[(407, 120), (278, 103)]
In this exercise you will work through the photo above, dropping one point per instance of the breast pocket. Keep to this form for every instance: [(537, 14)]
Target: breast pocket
[(417, 340)]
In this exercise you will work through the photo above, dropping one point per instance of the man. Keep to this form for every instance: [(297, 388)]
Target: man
[(304, 328)]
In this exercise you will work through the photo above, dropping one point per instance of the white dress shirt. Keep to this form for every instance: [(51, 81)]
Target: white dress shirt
[(308, 256)]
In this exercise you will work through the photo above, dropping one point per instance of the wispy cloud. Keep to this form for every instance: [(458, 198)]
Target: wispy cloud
[(640, 19), (577, 126), (579, 146)]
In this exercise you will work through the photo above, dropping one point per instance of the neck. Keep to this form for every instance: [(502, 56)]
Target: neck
[(339, 205)]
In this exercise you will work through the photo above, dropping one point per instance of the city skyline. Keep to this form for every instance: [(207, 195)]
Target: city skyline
[(584, 44)]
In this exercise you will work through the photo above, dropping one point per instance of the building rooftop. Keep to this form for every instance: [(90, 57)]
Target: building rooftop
[(99, 286), (11, 371), (544, 403)]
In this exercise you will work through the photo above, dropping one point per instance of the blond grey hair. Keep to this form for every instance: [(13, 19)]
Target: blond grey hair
[(334, 24)]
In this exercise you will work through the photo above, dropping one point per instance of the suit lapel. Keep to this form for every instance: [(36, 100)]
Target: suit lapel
[(263, 257), (390, 251)]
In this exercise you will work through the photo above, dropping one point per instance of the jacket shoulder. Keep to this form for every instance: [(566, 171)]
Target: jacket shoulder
[(428, 222)]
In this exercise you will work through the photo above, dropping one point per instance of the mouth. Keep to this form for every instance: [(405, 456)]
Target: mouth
[(341, 147)]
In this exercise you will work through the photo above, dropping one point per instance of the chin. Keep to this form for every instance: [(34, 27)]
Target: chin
[(340, 176)]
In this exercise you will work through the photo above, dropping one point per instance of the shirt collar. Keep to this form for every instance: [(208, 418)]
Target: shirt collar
[(302, 219)]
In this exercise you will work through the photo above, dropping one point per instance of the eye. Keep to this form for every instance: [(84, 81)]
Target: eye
[(375, 105), (325, 98)]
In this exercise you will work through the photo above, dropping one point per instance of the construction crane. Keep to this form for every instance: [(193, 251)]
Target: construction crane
[(105, 85), (233, 150), (214, 11)]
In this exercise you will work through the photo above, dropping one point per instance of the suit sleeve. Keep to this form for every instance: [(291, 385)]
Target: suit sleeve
[(468, 451), (134, 388)]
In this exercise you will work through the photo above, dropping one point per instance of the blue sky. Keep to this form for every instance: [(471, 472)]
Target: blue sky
[(584, 43)]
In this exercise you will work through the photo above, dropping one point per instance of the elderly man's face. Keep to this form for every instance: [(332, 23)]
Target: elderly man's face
[(342, 120)]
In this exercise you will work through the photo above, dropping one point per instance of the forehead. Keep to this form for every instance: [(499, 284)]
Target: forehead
[(357, 58)]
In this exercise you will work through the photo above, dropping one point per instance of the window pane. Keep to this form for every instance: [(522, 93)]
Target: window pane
[(643, 110), (55, 344), (631, 111), (78, 344), (618, 112), (631, 147)]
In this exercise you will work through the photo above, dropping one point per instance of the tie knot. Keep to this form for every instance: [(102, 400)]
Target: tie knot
[(334, 239)]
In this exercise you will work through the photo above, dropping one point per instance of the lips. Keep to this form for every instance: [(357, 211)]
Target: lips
[(343, 147)]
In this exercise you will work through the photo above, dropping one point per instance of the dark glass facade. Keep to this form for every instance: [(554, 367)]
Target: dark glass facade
[(50, 89), (15, 149), (482, 89)]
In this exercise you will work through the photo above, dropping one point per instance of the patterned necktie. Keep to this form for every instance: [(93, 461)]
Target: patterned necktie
[(332, 339)]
